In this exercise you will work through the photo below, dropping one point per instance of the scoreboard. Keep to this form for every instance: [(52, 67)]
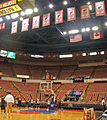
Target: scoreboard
[(8, 3), (10, 10), (9, 7)]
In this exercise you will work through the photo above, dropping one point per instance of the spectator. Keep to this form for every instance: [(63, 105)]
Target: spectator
[(9, 100)]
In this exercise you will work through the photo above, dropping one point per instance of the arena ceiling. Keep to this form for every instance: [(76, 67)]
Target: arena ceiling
[(50, 39)]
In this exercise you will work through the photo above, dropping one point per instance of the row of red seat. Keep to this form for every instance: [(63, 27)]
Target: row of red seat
[(95, 94), (11, 70)]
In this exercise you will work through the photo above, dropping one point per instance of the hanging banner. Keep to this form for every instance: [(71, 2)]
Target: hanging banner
[(14, 27), (46, 20), (100, 8), (96, 35), (2, 26), (71, 14), (59, 17), (25, 25), (7, 3), (9, 10), (85, 12), (36, 22)]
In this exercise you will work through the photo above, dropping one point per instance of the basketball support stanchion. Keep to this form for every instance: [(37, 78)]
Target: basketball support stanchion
[(89, 114)]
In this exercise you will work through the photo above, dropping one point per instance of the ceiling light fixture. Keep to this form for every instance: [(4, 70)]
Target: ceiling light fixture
[(105, 23), (22, 13), (28, 11), (36, 10), (8, 17), (83, 30), (65, 2), (95, 28), (14, 15), (50, 6), (64, 33), (73, 31), (87, 29), (21, 19), (88, 3)]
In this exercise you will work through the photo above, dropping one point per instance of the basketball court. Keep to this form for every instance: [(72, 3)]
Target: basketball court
[(42, 114)]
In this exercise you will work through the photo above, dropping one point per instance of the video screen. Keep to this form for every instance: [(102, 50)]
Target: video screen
[(11, 55), (3, 53)]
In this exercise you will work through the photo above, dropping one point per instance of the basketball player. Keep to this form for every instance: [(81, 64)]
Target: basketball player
[(2, 101), (9, 99)]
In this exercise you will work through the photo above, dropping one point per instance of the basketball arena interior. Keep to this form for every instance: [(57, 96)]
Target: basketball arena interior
[(54, 51)]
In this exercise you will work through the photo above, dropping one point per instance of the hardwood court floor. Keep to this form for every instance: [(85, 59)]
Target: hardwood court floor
[(63, 115)]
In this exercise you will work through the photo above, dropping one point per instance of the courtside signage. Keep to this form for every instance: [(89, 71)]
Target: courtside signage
[(8, 3), (10, 10)]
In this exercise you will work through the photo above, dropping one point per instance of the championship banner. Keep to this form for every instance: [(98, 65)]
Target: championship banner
[(14, 27), (85, 12), (100, 8), (59, 17), (25, 25), (10, 10), (71, 14), (46, 20), (36, 22)]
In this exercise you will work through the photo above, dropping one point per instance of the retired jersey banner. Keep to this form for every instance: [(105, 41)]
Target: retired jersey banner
[(59, 17), (36, 22), (71, 14), (2, 26), (85, 12), (100, 8), (25, 25), (14, 27), (46, 19)]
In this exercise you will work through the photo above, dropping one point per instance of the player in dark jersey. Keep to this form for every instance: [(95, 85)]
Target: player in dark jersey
[(3, 103)]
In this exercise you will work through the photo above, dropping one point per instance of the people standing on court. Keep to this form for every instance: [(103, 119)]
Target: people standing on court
[(37, 104), (103, 104), (48, 105), (3, 103), (9, 99), (59, 104), (19, 102), (32, 102)]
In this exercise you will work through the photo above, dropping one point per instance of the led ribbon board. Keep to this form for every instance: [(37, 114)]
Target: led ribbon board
[(23, 76), (10, 10)]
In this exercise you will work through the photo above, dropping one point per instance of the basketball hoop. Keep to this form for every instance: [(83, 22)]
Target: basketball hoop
[(46, 85)]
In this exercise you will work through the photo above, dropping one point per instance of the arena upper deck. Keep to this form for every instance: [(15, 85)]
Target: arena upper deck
[(51, 38)]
